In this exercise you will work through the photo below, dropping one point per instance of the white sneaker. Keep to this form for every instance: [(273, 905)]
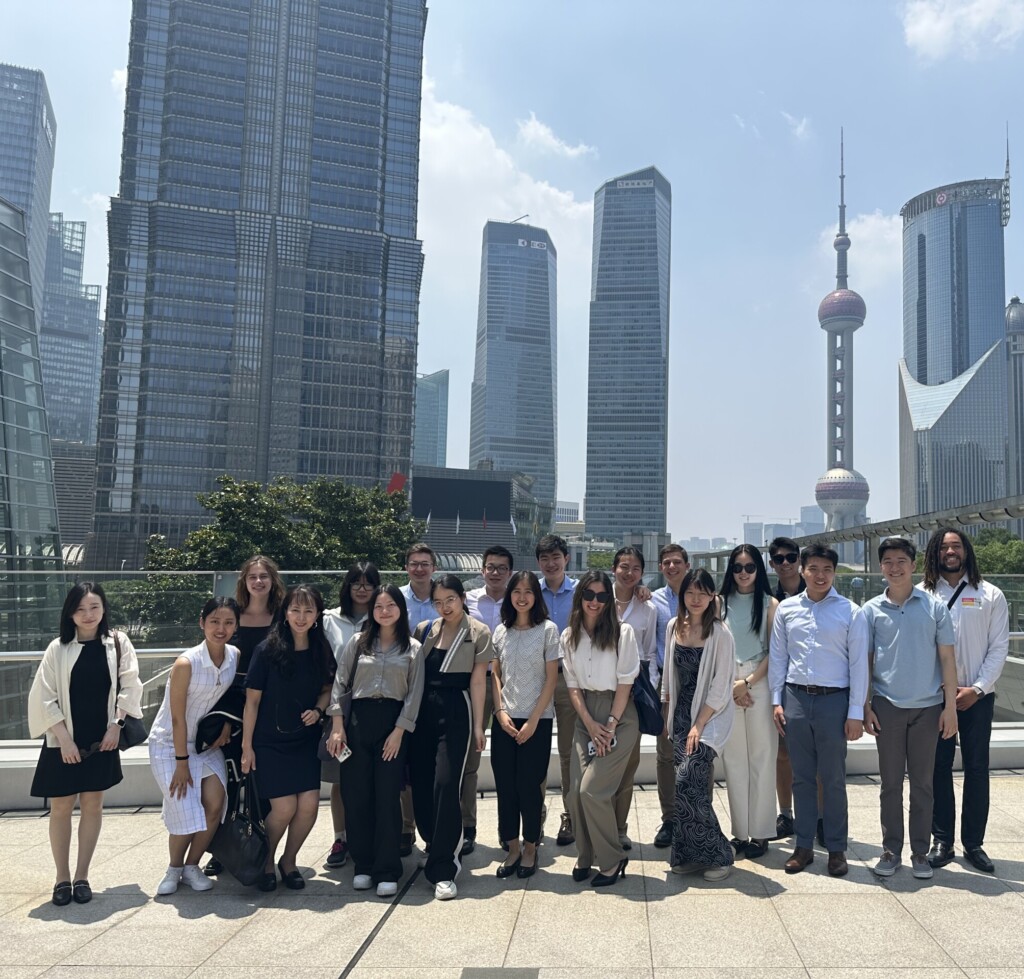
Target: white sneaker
[(446, 890), (170, 882), (387, 888), (717, 873), (196, 879), (362, 882)]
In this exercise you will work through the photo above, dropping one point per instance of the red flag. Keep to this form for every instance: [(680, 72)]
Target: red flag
[(397, 482)]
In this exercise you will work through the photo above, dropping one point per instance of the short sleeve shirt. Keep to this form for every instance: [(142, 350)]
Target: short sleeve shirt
[(522, 656)]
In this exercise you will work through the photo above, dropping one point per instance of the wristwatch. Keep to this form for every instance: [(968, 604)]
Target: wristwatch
[(977, 690), (120, 721)]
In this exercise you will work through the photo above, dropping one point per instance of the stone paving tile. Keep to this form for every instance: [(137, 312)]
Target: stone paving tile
[(871, 930), (21, 971), (114, 972), (44, 943), (639, 972), (452, 972), (727, 973), (911, 973)]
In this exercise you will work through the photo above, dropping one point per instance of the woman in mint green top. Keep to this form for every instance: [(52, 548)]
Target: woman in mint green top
[(748, 609)]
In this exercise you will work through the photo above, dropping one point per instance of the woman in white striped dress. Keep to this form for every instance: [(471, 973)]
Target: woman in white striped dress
[(193, 784)]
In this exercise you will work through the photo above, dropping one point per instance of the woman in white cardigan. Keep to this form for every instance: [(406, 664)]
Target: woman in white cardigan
[(697, 688), (86, 685)]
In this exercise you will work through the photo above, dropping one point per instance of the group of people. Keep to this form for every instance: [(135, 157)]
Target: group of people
[(388, 695)]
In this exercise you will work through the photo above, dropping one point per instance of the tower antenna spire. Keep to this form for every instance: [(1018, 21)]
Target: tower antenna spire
[(842, 240)]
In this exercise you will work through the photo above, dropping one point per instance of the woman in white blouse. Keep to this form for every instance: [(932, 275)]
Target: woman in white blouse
[(697, 686), (524, 674), (600, 662)]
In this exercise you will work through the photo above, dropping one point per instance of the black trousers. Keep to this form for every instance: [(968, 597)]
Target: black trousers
[(974, 734), (370, 788), (519, 774), (438, 750)]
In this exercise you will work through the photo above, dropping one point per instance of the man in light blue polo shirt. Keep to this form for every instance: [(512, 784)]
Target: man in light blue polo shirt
[(911, 695)]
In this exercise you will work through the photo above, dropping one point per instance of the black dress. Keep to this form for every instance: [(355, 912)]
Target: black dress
[(89, 693)]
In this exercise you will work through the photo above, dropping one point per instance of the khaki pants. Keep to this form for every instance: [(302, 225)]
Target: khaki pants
[(595, 782), (470, 776)]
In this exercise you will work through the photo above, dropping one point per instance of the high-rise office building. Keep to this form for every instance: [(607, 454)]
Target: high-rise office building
[(953, 425), (430, 428), (1015, 399), (28, 514), (513, 414), (627, 399), (264, 281), (70, 336), (28, 134)]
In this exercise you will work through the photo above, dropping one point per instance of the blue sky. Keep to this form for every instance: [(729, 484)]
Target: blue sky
[(529, 106)]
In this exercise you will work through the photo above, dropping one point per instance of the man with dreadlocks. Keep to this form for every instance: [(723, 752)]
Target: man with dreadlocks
[(981, 625)]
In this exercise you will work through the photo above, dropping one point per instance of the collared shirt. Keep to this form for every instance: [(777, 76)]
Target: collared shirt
[(483, 608), (981, 624), (780, 592), (666, 602), (559, 602), (904, 641), (590, 668), (419, 611), (823, 644), (393, 673), (339, 629), (643, 617)]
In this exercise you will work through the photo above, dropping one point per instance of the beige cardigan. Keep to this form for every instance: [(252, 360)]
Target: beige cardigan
[(49, 699)]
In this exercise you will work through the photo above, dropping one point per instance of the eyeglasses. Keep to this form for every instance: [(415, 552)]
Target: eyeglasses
[(789, 557), (362, 586), (749, 568), (497, 568), (596, 596), (420, 565), (442, 603)]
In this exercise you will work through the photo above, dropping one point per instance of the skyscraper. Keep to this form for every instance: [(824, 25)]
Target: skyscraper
[(842, 493), (1015, 399), (430, 433), (627, 399), (513, 420), (953, 425), (264, 271), (70, 336), (28, 133)]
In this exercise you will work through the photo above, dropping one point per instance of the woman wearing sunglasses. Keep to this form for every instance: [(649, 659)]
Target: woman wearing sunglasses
[(287, 689), (697, 687), (748, 608), (600, 662), (456, 650), (340, 625)]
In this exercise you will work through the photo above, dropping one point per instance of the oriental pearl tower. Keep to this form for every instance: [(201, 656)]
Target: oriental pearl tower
[(842, 493)]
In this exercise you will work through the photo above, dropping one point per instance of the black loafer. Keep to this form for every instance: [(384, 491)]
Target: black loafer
[(293, 880), (405, 846), (523, 872), (508, 869), (62, 893), (755, 849), (268, 882), (783, 826), (663, 837), (82, 892), (978, 858), (468, 846), (213, 867), (940, 854)]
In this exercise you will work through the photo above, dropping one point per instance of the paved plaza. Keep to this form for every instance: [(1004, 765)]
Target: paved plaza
[(758, 923)]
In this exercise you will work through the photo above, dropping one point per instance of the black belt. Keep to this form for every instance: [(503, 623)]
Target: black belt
[(815, 691)]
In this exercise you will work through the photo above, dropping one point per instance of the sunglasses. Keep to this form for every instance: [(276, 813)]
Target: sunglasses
[(596, 596), (788, 558), (744, 568)]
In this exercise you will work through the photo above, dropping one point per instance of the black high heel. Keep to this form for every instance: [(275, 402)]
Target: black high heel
[(606, 880), (580, 873)]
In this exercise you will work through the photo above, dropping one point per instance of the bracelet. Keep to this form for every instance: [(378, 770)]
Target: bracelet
[(746, 680), (501, 710), (321, 712), (181, 757)]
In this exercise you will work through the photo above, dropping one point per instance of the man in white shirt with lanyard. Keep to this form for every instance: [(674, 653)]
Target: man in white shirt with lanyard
[(981, 624)]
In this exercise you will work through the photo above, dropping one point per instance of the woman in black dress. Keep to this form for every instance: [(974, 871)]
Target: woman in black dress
[(287, 689), (86, 684)]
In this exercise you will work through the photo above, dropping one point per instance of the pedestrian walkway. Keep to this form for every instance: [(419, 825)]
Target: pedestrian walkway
[(758, 924)]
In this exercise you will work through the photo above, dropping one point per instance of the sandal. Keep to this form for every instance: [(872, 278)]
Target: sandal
[(81, 891), (62, 893)]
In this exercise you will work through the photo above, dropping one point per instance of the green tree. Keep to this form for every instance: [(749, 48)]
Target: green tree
[(1001, 557), (324, 524), (992, 535), (600, 560)]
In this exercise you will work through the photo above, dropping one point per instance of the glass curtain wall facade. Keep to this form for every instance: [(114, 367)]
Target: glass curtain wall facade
[(513, 415), (70, 336), (627, 447), (264, 281), (953, 425), (430, 436), (28, 135), (29, 607)]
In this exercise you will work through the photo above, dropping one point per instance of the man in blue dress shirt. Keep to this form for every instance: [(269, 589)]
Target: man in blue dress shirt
[(818, 675)]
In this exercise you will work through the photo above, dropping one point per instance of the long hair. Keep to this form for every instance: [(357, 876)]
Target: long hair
[(539, 610), (277, 589), (355, 573), (933, 565), (762, 587), (700, 579), (371, 632), (71, 603), (606, 629), (281, 642)]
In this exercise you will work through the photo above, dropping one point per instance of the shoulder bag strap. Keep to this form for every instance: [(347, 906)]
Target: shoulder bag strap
[(955, 595)]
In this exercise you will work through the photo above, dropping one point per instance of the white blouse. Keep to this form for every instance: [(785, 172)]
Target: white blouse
[(587, 667)]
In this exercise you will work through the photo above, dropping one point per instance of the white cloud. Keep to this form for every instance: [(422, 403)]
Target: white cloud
[(119, 81), (95, 201), (800, 128), (539, 136), (745, 126), (934, 29), (875, 255)]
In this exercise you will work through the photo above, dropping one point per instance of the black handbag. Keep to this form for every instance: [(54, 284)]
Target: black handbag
[(648, 707), (240, 842), (133, 731)]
